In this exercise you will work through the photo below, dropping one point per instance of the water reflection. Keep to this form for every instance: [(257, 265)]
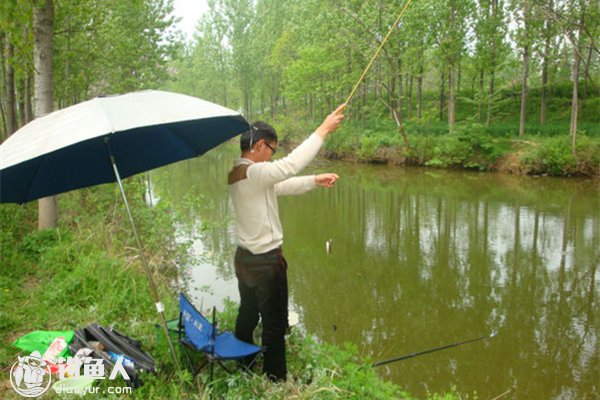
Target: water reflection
[(423, 258)]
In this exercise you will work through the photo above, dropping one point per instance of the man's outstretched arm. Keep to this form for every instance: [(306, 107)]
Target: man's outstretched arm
[(302, 184)]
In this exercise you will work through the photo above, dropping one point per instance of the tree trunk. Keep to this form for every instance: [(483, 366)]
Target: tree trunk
[(524, 72), (2, 80), (547, 27), (272, 98), (400, 91), (523, 91), (27, 95), (575, 100), (544, 84), (378, 65), (490, 102), (246, 101), (459, 76), (3, 120), (11, 103), (363, 116), (410, 96), (442, 94), (43, 18), (586, 74), (420, 85), (452, 99), (452, 79), (481, 96), (21, 102), (262, 94), (392, 93)]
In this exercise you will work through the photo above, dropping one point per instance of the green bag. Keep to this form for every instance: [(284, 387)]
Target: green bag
[(41, 340)]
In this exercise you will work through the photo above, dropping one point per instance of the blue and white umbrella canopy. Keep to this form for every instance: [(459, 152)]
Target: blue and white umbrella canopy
[(70, 148)]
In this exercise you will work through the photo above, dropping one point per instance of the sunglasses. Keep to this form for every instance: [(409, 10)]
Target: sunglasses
[(272, 149)]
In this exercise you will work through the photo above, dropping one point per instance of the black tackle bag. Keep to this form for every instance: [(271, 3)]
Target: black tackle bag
[(114, 341)]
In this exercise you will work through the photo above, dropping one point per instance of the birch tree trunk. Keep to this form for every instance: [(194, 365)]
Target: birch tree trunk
[(43, 17), (523, 91), (11, 113), (420, 85), (575, 100), (452, 99), (577, 49), (547, 27), (452, 81), (442, 94), (490, 102), (28, 111), (481, 96), (524, 72)]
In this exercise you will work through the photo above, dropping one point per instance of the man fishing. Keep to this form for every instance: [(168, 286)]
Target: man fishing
[(254, 184)]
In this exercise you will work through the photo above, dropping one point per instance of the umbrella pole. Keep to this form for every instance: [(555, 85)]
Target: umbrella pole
[(159, 305)]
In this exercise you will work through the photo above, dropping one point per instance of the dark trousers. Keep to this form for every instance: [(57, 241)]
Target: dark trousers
[(262, 282)]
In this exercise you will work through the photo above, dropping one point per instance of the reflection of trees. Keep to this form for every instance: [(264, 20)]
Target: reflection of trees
[(198, 186), (424, 257)]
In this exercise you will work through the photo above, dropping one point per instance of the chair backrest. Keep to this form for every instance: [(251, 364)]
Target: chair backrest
[(198, 330)]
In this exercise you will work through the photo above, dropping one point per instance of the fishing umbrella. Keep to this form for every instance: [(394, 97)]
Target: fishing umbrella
[(109, 138)]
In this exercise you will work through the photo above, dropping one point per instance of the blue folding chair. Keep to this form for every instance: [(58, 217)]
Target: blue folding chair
[(196, 333)]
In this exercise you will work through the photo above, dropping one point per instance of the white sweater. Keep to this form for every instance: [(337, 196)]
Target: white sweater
[(258, 227)]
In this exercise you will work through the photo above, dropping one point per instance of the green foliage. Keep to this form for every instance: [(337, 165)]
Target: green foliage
[(100, 52), (554, 156), (372, 143), (468, 146), (37, 242)]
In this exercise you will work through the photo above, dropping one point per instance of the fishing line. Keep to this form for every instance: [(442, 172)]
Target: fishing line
[(377, 52)]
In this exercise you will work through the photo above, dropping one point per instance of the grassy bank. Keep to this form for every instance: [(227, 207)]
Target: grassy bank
[(470, 146), (87, 270)]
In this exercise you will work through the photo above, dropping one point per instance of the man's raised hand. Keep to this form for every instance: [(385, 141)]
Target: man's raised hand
[(331, 122)]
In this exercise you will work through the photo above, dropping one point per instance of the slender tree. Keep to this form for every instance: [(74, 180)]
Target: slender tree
[(525, 49), (43, 18), (546, 59), (579, 12), (9, 87)]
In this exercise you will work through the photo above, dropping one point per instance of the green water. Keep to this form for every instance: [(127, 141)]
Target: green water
[(423, 258)]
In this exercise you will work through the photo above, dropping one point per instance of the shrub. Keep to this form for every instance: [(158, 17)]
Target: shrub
[(554, 156), (370, 143), (468, 146)]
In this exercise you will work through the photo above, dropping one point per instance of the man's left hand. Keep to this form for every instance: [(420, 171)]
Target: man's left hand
[(326, 180)]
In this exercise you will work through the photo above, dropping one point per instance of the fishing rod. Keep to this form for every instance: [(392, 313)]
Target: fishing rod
[(420, 353), (377, 52)]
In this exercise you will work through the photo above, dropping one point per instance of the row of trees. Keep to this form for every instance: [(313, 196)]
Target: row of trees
[(59, 52), (447, 59), (93, 47)]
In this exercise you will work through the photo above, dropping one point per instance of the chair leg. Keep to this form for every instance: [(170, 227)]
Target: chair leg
[(212, 369), (187, 357), (224, 367), (200, 368)]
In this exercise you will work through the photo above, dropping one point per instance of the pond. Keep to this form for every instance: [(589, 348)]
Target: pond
[(423, 258)]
